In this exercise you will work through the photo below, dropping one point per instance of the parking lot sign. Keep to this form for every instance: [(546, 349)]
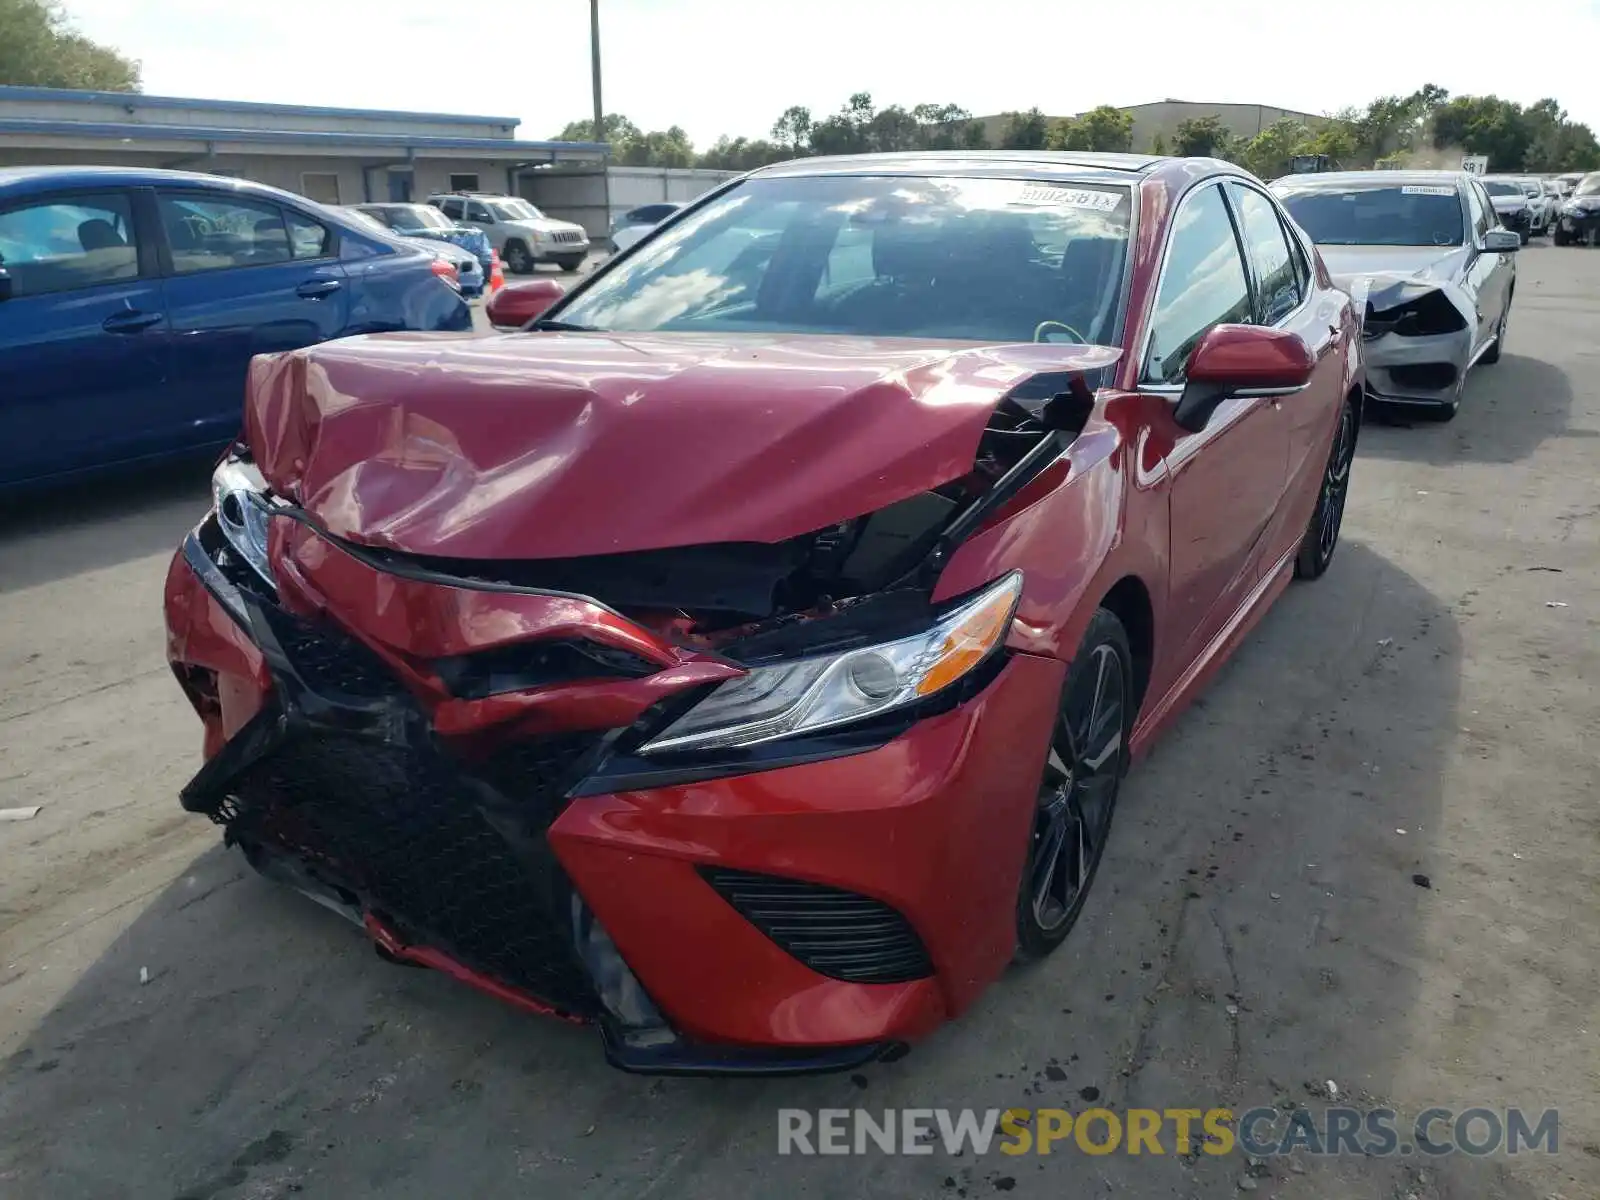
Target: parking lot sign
[(1475, 164)]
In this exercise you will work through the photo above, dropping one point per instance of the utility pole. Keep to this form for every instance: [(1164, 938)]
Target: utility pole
[(594, 50)]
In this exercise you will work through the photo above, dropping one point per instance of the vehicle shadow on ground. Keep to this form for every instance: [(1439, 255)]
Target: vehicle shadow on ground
[(64, 531), (1509, 410), (1256, 926)]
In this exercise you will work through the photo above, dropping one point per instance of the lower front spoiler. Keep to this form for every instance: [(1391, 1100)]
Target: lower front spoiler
[(655, 1051)]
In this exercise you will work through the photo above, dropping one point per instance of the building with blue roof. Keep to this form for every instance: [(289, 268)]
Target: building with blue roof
[(334, 155)]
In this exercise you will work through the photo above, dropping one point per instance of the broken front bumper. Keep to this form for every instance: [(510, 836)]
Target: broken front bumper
[(1426, 369), (743, 922), (1580, 228)]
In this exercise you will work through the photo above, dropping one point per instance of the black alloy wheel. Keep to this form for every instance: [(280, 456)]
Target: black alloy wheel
[(1078, 794), (1322, 535)]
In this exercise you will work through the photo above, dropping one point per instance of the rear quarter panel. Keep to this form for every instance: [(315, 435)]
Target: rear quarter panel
[(390, 292)]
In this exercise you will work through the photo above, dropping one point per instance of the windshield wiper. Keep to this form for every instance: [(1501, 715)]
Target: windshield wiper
[(553, 326)]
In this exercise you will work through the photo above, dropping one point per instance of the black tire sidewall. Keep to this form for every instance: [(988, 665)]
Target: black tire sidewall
[(1310, 562), (1105, 629)]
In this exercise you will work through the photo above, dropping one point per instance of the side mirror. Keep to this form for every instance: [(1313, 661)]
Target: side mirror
[(1231, 360), (514, 305), (5, 284), (1501, 241)]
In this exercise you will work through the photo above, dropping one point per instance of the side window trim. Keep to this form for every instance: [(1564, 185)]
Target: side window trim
[(1143, 383)]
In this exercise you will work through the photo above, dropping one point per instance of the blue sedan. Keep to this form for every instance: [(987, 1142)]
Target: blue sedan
[(131, 303)]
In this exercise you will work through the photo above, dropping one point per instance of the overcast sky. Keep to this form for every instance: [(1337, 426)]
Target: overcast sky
[(721, 66)]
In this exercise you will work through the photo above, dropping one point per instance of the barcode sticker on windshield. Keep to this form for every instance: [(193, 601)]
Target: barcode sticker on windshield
[(1095, 199), (1419, 189)]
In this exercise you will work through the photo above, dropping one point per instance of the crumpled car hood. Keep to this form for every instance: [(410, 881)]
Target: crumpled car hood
[(1385, 263), (557, 445)]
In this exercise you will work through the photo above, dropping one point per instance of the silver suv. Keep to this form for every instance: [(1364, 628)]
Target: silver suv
[(522, 234)]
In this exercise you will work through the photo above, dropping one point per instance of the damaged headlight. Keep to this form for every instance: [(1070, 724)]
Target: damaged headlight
[(237, 494), (809, 694)]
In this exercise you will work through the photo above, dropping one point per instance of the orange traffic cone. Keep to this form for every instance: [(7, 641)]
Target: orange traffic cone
[(497, 275)]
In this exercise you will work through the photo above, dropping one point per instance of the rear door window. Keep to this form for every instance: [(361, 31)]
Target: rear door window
[(208, 233), (63, 243), (307, 238)]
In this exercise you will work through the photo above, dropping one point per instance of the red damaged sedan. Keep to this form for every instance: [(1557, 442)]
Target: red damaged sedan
[(745, 655)]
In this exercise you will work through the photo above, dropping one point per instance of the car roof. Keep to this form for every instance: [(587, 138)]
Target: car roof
[(1344, 179), (1035, 164), (27, 180)]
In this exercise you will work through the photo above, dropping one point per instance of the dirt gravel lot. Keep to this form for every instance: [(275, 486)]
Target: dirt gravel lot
[(1256, 928)]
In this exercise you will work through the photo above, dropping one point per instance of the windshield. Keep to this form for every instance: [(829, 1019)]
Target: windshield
[(418, 216), (994, 260), (1397, 215), (1589, 185), (515, 210), (1496, 187)]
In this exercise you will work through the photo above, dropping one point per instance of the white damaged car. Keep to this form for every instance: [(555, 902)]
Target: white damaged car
[(1437, 269)]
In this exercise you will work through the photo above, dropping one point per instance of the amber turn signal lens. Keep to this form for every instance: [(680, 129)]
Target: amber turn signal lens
[(969, 643)]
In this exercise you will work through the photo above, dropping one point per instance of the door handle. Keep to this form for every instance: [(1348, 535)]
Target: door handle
[(130, 321), (316, 289)]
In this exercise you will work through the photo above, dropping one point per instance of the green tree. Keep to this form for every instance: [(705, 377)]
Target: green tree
[(660, 148), (618, 130), (1025, 130), (946, 127), (1199, 137), (1267, 154), (848, 131), (39, 48), (793, 129), (1484, 125), (742, 154), (1104, 128), (1158, 144)]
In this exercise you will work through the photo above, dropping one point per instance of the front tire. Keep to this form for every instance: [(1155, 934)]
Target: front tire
[(518, 260), (1559, 236), (1088, 757), (1327, 519)]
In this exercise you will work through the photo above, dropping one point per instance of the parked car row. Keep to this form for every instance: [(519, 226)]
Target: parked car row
[(523, 236), (1579, 221), (132, 302)]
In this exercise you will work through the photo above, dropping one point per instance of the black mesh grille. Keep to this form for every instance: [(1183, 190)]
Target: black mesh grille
[(430, 848), (834, 932), (330, 662)]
